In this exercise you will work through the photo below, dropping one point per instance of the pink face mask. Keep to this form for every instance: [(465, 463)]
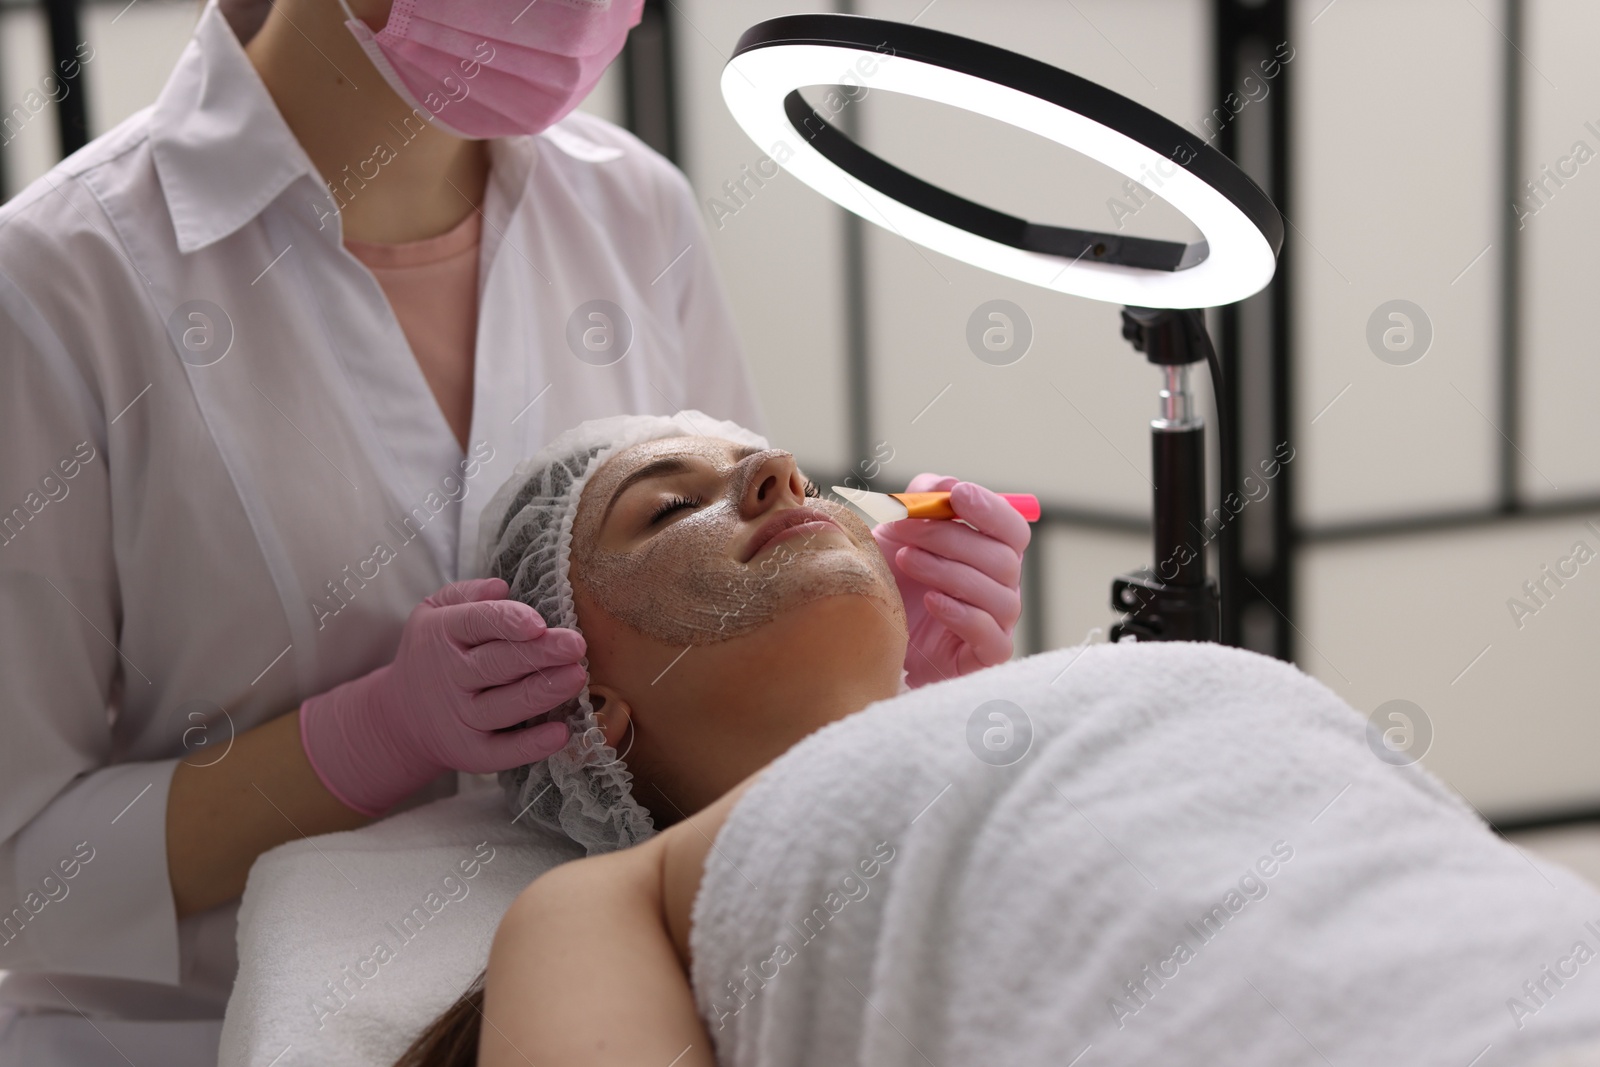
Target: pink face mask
[(496, 68)]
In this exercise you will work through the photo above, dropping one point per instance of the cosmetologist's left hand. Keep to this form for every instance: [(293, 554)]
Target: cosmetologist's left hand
[(961, 584)]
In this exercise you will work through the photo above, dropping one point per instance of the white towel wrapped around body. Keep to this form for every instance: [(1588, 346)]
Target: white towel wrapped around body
[(351, 943), (1198, 860)]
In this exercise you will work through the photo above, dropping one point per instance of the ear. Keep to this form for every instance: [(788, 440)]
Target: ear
[(611, 712)]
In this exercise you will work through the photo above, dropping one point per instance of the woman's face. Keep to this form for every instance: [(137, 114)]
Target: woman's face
[(694, 540), (727, 613)]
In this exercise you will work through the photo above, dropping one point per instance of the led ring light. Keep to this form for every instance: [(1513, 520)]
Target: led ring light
[(1243, 230)]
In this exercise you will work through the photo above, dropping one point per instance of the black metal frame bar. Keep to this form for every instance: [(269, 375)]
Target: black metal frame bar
[(1554, 820), (649, 81), (1239, 30), (72, 111), (62, 19), (1510, 257)]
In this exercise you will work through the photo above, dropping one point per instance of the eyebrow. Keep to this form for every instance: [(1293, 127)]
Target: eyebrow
[(661, 468)]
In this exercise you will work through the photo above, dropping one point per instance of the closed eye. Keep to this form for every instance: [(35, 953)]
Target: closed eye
[(677, 503)]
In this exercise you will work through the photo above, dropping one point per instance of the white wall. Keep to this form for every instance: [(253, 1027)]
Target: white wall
[(1511, 696), (780, 244), (1398, 191), (1561, 434)]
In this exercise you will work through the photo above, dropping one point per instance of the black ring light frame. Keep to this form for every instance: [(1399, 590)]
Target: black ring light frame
[(1026, 75), (1175, 599)]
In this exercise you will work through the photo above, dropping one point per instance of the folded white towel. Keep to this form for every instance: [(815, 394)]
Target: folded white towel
[(1198, 860), (351, 943)]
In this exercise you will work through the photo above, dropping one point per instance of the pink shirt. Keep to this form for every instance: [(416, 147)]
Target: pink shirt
[(432, 285)]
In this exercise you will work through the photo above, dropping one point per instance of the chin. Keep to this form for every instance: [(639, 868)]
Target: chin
[(856, 633)]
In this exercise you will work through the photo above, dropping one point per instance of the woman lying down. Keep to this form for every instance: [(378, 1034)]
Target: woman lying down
[(1104, 855)]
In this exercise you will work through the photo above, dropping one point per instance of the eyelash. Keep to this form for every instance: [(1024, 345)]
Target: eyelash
[(675, 504)]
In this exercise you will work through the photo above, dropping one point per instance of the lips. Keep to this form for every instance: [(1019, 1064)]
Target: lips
[(781, 523)]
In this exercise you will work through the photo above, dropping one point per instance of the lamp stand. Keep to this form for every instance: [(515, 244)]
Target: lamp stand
[(1174, 600)]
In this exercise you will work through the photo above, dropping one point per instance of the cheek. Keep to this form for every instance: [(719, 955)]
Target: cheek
[(657, 573), (624, 651), (609, 642)]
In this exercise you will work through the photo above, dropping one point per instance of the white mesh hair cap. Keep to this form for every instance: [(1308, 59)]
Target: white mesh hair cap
[(583, 790)]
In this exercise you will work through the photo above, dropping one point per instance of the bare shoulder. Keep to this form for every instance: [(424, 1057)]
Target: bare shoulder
[(585, 933), (573, 889)]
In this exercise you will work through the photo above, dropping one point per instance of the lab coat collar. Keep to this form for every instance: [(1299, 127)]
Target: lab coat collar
[(512, 161), (224, 152), (221, 147)]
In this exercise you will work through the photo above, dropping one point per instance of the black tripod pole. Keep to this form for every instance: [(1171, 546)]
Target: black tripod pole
[(1174, 600)]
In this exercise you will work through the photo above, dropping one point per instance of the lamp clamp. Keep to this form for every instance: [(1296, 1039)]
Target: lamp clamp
[(1167, 336)]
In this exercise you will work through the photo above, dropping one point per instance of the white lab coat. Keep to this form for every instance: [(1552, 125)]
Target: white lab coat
[(198, 547)]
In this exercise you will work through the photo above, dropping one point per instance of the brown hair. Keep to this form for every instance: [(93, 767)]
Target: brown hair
[(451, 1040)]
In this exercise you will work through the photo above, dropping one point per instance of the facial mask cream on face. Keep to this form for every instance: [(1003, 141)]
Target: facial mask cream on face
[(684, 586)]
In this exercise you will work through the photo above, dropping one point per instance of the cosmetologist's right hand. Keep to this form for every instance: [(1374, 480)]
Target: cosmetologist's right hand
[(470, 662)]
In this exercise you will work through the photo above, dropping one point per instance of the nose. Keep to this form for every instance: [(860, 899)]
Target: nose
[(770, 480)]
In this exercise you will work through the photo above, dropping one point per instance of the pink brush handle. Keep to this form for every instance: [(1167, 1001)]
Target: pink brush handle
[(937, 505), (1027, 504)]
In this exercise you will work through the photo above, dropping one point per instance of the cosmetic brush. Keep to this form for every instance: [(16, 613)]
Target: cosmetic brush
[(890, 507)]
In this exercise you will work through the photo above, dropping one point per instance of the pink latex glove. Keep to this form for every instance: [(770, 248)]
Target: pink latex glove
[(961, 585), (470, 662)]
